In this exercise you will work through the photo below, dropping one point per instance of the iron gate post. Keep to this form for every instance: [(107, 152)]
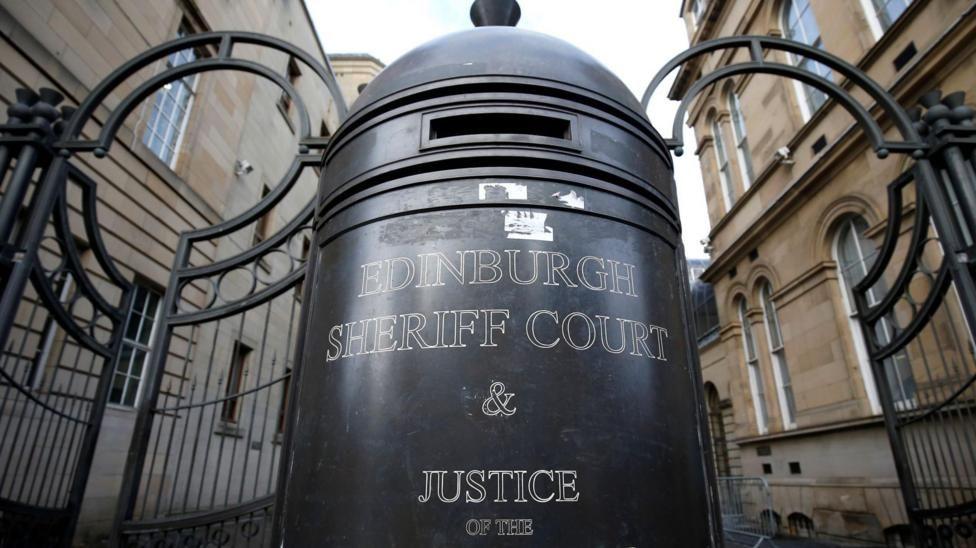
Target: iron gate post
[(17, 258)]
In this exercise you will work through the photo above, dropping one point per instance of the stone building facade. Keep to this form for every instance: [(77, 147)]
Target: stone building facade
[(797, 204), (199, 151)]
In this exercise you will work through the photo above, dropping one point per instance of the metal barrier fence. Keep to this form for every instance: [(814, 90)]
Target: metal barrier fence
[(747, 510)]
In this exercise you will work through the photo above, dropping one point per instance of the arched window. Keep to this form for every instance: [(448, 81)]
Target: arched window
[(800, 24), (755, 375), (881, 14), (781, 371), (697, 10), (741, 142), (716, 426), (855, 253), (724, 169)]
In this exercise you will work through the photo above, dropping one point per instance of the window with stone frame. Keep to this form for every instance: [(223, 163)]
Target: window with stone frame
[(136, 347), (698, 10), (777, 353), (170, 108), (741, 140), (236, 371), (724, 167), (292, 73), (264, 225), (716, 427), (888, 11), (855, 253), (756, 384), (800, 25)]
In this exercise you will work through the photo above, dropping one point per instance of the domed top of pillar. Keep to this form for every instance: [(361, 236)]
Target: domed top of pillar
[(495, 53)]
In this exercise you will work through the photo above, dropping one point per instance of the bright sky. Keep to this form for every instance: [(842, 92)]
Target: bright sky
[(634, 38)]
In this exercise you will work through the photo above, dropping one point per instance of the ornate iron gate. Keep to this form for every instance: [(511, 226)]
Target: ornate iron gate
[(60, 327), (204, 459), (920, 332)]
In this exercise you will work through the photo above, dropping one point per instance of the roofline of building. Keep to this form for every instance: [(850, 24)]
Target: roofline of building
[(356, 57), (315, 34), (318, 42)]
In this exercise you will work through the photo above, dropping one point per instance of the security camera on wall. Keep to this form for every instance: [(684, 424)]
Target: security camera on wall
[(784, 155), (242, 167)]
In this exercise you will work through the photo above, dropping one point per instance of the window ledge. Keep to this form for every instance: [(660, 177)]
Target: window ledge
[(120, 407), (228, 429)]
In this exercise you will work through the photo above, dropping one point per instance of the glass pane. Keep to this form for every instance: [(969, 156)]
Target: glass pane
[(152, 304), (139, 299), (125, 357), (118, 387), (132, 330), (168, 104), (130, 393), (146, 330), (811, 31), (137, 363)]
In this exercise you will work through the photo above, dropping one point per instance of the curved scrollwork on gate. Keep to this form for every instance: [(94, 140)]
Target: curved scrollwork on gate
[(60, 327), (920, 327), (919, 334), (208, 437)]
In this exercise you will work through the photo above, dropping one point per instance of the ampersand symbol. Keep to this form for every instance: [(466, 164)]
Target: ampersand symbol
[(497, 402)]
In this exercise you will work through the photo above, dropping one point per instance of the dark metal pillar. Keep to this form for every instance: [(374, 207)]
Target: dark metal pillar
[(498, 347)]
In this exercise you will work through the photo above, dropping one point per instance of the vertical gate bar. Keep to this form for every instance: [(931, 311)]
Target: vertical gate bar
[(942, 415), (29, 240), (51, 453), (237, 409), (968, 408), (698, 386), (86, 409), (5, 150), (963, 185), (69, 455), (141, 430), (210, 433), (943, 218), (176, 416), (254, 405), (33, 450), (18, 113), (898, 448), (16, 436), (200, 431), (264, 433), (14, 195), (939, 460), (282, 405), (213, 412), (18, 357), (158, 426), (179, 458), (70, 424)]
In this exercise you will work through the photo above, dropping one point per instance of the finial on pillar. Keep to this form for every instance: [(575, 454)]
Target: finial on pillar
[(495, 13)]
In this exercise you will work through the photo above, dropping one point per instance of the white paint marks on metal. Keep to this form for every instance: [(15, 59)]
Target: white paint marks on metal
[(502, 191), (571, 199), (527, 225)]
